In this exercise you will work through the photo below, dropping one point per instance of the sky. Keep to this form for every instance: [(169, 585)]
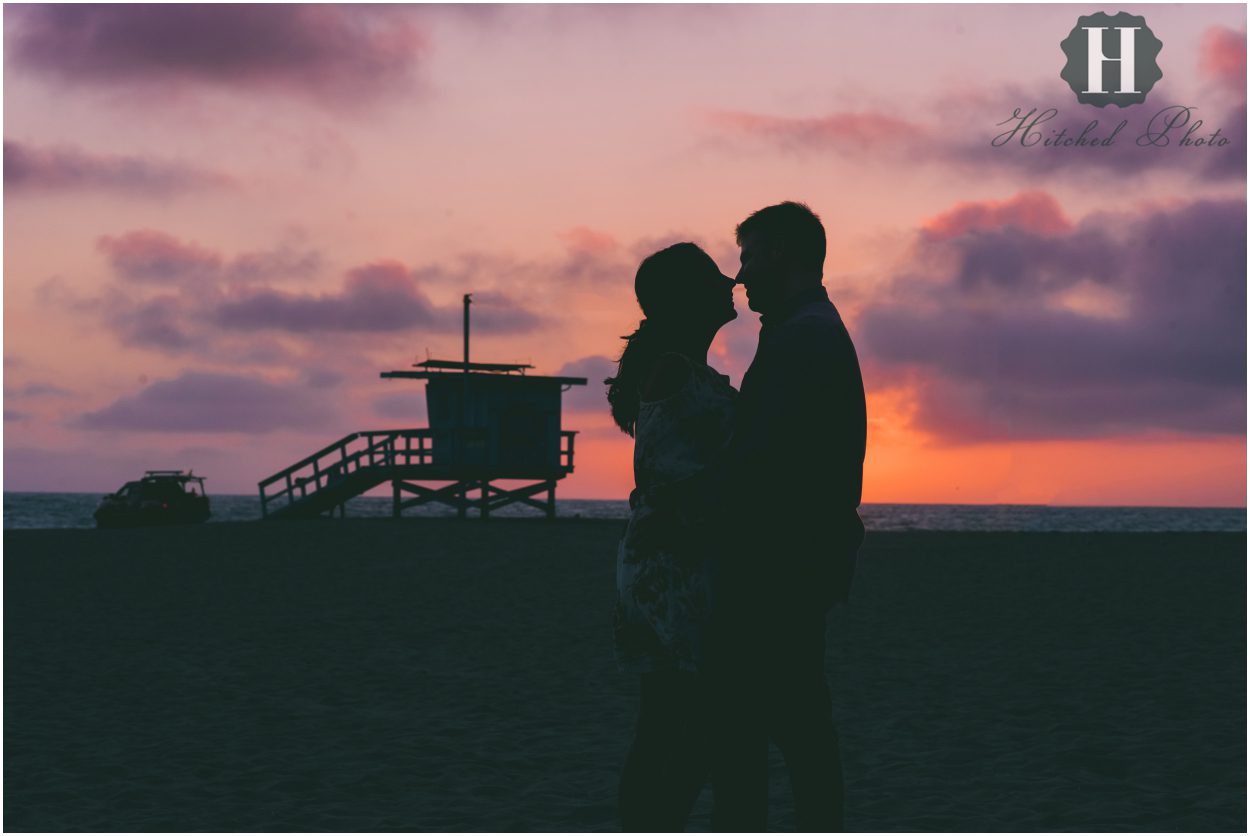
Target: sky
[(221, 223)]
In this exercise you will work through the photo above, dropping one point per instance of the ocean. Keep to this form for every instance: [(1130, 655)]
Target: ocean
[(73, 510)]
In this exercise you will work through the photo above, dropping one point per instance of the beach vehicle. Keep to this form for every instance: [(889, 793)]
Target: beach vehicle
[(161, 497)]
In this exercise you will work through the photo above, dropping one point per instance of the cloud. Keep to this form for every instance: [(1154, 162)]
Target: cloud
[(1223, 58), (924, 143), (583, 239), (56, 292), (384, 296), (1034, 211), (590, 260), (30, 168), (216, 307), (150, 323), (493, 312), (1005, 129), (322, 378), (407, 408), (593, 397), (338, 54), (282, 262), (376, 297), (148, 255), (1126, 323), (34, 390), (14, 415), (210, 402)]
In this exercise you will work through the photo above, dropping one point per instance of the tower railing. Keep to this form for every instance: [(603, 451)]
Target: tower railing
[(375, 453)]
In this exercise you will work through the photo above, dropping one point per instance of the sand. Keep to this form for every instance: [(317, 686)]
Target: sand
[(457, 676)]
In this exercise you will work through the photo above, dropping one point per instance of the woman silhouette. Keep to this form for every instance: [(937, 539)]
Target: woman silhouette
[(680, 413)]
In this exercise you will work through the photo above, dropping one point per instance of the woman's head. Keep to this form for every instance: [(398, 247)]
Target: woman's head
[(685, 299), (681, 287)]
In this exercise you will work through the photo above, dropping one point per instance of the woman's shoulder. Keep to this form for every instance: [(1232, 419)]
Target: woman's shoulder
[(675, 373)]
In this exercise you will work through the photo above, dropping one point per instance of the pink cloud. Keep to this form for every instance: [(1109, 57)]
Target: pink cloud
[(1033, 211), (593, 241), (1224, 57)]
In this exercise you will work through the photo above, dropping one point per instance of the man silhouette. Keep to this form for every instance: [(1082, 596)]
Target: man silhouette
[(792, 480)]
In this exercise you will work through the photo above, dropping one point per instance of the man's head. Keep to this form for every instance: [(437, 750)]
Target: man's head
[(783, 252)]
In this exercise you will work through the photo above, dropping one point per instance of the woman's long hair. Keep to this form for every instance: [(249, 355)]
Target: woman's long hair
[(664, 292)]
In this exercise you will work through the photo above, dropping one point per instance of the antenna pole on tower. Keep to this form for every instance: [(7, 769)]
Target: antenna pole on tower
[(468, 299)]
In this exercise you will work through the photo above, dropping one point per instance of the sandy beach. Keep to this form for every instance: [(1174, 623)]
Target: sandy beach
[(458, 676)]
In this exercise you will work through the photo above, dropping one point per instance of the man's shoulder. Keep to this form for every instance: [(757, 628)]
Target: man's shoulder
[(817, 311), (817, 321)]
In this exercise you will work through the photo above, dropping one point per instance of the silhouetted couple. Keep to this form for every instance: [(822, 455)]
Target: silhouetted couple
[(743, 530)]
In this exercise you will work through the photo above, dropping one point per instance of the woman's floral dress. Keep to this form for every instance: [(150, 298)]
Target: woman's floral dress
[(662, 570)]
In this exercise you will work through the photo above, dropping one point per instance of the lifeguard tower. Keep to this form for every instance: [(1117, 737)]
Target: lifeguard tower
[(488, 422)]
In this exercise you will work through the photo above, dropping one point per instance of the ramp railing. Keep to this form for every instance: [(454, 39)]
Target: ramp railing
[(349, 455)]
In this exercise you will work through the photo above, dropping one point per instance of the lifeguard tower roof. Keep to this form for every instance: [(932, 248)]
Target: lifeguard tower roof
[(441, 368)]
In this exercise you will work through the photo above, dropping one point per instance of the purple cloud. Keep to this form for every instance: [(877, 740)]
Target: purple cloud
[(213, 312), (29, 168), (339, 54), (593, 397), (384, 296), (282, 262), (209, 402), (406, 409), (377, 297), (34, 390), (322, 378), (1126, 323), (149, 255), (151, 323), (493, 312)]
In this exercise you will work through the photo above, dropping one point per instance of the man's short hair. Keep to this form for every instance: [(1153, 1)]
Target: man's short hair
[(792, 228)]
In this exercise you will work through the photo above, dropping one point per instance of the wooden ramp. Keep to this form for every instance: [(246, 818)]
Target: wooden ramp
[(324, 481)]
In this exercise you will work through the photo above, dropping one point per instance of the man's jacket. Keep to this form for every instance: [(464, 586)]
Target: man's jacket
[(796, 462)]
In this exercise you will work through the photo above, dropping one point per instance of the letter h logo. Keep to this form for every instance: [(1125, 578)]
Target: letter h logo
[(1089, 70)]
